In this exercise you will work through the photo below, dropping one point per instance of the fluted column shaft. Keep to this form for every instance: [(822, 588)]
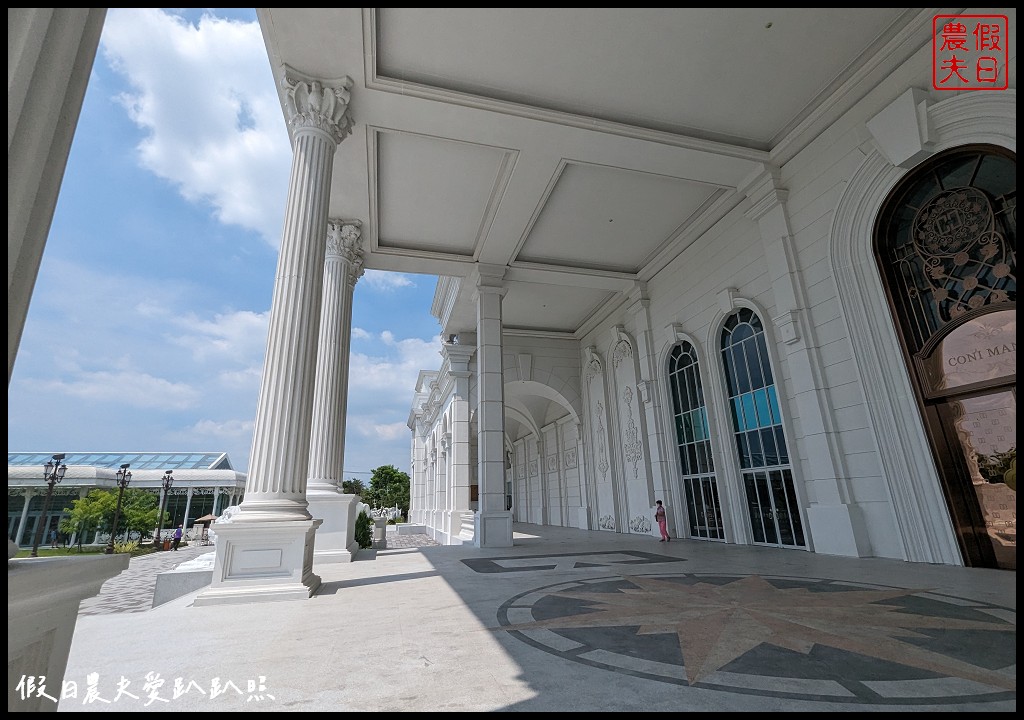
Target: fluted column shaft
[(276, 485), (343, 266)]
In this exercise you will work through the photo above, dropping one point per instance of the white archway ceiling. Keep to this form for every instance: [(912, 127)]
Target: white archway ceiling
[(581, 149), (524, 401)]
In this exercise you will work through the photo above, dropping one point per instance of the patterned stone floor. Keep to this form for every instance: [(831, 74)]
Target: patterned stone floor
[(567, 620)]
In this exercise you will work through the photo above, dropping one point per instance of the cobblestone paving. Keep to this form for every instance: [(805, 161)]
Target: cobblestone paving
[(407, 541), (132, 590)]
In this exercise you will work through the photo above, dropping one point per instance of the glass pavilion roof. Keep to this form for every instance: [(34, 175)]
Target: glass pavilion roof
[(137, 460)]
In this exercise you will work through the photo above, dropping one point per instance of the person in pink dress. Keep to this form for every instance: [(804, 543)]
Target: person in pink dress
[(662, 518)]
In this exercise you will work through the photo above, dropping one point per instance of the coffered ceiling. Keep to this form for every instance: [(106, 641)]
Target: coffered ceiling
[(580, 149)]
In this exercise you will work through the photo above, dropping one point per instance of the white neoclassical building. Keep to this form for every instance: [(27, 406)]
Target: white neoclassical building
[(759, 264), (793, 322)]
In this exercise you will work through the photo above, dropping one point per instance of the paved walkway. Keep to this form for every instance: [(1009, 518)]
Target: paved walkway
[(569, 620), (132, 590)]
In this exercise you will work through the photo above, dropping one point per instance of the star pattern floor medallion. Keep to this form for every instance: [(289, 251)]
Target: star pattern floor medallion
[(777, 636)]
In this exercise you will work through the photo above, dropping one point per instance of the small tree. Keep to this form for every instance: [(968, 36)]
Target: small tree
[(353, 487), (364, 530), (139, 512), (93, 512), (96, 512), (389, 487)]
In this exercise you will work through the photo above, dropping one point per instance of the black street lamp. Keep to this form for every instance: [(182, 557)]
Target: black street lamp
[(168, 481), (124, 476), (53, 473)]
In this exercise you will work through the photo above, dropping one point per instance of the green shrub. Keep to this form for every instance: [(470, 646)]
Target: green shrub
[(364, 530), (126, 547)]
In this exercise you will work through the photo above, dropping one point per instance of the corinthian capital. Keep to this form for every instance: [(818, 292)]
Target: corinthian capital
[(343, 240), (316, 104)]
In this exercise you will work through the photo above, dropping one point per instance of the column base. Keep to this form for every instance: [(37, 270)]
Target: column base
[(838, 530), (262, 562), (493, 528), (336, 537)]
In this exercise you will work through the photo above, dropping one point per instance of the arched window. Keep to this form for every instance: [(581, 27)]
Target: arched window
[(757, 427), (946, 248), (693, 440)]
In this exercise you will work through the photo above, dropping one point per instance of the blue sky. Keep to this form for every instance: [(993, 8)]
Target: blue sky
[(147, 326)]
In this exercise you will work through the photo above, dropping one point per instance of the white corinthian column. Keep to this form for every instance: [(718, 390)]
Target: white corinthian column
[(266, 552), (335, 540)]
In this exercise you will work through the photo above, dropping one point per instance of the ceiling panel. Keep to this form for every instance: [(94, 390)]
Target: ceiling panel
[(433, 194), (447, 175), (536, 306), (604, 218)]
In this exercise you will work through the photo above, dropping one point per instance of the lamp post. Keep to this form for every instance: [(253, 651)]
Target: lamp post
[(53, 473), (168, 481), (124, 476)]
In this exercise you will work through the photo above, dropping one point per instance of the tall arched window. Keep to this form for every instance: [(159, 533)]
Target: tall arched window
[(946, 247), (693, 440), (757, 426)]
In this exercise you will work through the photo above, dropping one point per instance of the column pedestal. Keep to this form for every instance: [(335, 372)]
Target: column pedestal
[(336, 538), (380, 533), (493, 528), (263, 562), (836, 529)]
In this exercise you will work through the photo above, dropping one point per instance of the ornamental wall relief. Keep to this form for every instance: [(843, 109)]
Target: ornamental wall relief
[(640, 524), (570, 458), (632, 447), (552, 463)]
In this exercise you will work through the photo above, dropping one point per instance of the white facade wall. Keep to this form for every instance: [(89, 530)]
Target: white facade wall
[(780, 253), (694, 292)]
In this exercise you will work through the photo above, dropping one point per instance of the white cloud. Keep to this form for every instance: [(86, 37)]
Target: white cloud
[(240, 334), (395, 375), (132, 388), (219, 137), (231, 436), (360, 333), (228, 429), (385, 280), (245, 379), (392, 431), (370, 428)]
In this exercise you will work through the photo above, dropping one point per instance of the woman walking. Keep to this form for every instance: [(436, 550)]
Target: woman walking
[(662, 518)]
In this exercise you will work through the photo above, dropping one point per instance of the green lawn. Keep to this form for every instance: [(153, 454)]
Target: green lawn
[(73, 551)]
